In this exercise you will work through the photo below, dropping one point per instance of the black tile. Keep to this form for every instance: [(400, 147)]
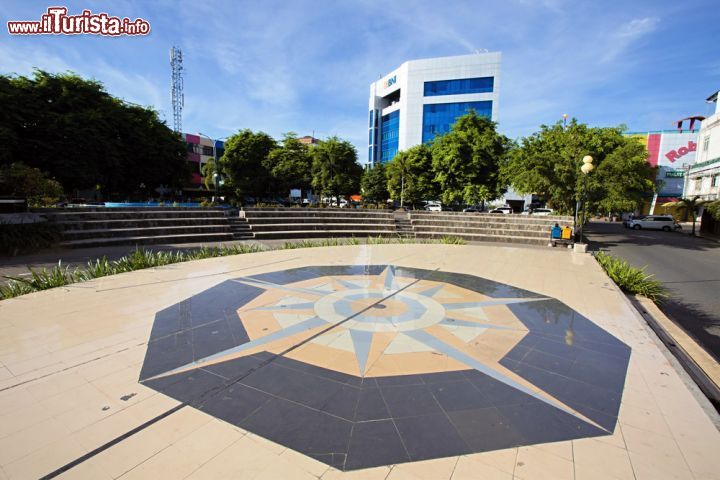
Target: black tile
[(485, 429), (343, 402), (235, 403), (237, 368), (211, 338), (495, 391), (443, 377), (546, 361), (298, 427), (373, 444), (167, 353), (309, 390), (609, 377), (430, 436), (539, 422), (399, 380), (409, 400), (463, 395), (189, 386), (318, 371), (371, 406)]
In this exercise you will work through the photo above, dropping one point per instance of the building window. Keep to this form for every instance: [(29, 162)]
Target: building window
[(714, 182), (706, 143), (389, 136), (191, 148), (438, 118), (370, 123), (459, 86), (207, 151)]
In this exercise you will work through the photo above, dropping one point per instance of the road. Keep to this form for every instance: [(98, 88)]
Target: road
[(689, 267)]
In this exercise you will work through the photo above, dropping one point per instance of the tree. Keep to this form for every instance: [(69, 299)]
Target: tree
[(83, 136), (335, 170), (290, 165), (374, 185), (410, 176), (208, 174), (690, 205), (19, 180), (548, 163), (623, 178), (243, 163), (467, 160)]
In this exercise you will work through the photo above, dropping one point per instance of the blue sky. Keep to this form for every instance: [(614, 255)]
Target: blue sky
[(306, 66)]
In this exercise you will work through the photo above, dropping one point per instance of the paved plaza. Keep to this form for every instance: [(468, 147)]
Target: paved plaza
[(369, 361)]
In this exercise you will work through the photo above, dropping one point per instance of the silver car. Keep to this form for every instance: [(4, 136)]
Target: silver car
[(655, 222)]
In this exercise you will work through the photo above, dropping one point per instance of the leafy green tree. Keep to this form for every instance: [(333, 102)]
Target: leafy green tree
[(335, 170), (623, 178), (714, 209), (548, 163), (290, 165), (690, 205), (466, 161), (410, 176), (19, 180), (243, 163), (208, 174), (83, 136), (374, 185)]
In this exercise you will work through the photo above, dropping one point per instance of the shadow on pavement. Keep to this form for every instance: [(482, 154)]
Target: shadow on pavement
[(604, 235)]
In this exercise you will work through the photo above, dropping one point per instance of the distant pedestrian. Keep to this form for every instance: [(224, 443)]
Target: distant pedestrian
[(556, 231)]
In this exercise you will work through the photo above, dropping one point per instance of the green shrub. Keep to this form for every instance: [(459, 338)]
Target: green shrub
[(452, 240), (16, 238), (630, 279), (57, 276)]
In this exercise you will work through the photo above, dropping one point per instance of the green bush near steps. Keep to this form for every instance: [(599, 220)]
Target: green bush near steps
[(139, 259), (630, 279)]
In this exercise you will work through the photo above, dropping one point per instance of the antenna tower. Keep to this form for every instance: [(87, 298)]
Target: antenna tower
[(178, 97)]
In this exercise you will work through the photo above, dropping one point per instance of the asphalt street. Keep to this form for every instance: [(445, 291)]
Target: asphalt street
[(688, 266)]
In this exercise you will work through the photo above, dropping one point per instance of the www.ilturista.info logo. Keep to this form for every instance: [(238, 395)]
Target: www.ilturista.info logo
[(56, 21)]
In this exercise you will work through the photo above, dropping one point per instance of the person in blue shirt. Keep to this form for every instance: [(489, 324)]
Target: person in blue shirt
[(556, 231)]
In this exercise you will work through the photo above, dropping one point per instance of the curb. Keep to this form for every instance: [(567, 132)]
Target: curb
[(701, 367)]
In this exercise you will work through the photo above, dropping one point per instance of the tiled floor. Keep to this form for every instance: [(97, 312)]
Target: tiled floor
[(394, 361)]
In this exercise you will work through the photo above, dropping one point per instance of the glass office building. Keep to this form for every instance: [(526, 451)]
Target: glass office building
[(422, 99)]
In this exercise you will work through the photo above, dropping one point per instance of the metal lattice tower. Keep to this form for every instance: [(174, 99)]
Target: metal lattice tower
[(178, 97)]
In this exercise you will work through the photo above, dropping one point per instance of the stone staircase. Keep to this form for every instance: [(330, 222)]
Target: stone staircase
[(403, 225), (278, 223), (485, 227), (239, 227), (96, 227)]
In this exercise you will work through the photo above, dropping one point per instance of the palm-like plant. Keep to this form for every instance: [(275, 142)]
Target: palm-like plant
[(691, 205)]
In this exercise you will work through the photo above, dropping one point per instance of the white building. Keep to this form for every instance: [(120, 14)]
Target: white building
[(422, 98), (703, 179)]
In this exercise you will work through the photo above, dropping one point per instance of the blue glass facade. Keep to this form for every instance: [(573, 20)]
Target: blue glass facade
[(390, 133), (459, 86), (439, 117)]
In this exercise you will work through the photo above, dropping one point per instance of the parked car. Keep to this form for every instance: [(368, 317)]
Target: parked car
[(433, 207), (538, 211), (655, 222), (505, 210), (473, 209), (626, 222)]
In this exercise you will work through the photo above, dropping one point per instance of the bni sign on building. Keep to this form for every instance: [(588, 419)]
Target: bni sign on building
[(423, 98)]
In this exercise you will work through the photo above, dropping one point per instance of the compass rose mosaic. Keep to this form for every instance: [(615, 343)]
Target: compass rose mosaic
[(360, 366)]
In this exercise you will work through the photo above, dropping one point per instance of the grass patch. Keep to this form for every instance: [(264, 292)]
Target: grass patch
[(139, 259), (630, 279), (452, 240)]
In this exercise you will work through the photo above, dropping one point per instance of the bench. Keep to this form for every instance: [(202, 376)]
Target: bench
[(563, 236)]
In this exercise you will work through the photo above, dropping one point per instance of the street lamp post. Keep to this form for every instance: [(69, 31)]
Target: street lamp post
[(586, 168)]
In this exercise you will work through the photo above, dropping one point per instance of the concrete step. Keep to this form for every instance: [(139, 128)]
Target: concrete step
[(138, 223), (305, 213), (145, 240), (535, 233), (144, 232), (323, 234), (319, 219), (66, 216), (486, 238), (476, 223), (330, 227)]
